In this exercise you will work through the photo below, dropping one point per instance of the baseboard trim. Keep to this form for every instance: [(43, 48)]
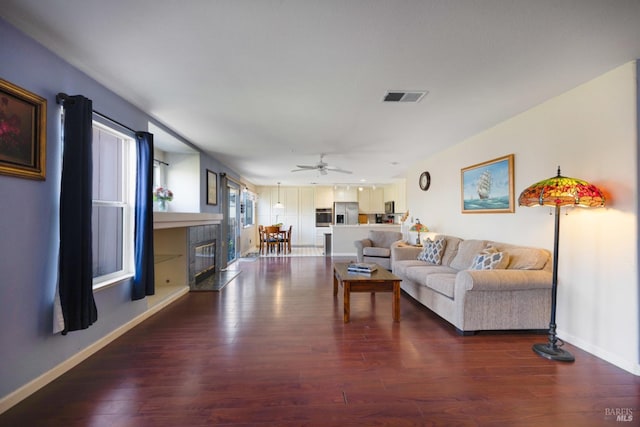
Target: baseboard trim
[(31, 387), (629, 366)]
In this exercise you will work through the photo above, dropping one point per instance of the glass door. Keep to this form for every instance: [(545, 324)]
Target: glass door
[(233, 232)]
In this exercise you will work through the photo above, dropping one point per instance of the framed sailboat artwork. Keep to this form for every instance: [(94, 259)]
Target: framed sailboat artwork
[(488, 187)]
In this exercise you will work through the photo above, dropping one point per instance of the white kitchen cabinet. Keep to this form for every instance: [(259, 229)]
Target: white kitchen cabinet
[(363, 200), (401, 198), (376, 200), (304, 235), (323, 197), (371, 200), (291, 200), (396, 193), (390, 193), (345, 194), (307, 217)]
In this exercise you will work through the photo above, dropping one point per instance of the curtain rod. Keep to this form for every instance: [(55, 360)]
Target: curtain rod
[(127, 128), (224, 175), (63, 97), (97, 113)]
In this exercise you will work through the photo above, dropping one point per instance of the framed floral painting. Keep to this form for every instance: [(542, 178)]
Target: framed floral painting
[(488, 187), (23, 126)]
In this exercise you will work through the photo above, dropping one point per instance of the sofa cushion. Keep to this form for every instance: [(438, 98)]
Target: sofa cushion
[(400, 267), (451, 249), (432, 251), (420, 274), (490, 260), (527, 259), (444, 284), (467, 250), (523, 257), (375, 251)]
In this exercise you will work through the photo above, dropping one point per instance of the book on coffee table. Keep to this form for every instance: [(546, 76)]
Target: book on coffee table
[(362, 267)]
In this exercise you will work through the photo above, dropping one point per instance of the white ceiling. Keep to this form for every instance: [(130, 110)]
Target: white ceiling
[(265, 85)]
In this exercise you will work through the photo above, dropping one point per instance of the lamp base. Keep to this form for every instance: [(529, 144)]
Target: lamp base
[(553, 353)]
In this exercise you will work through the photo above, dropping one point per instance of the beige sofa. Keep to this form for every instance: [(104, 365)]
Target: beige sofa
[(516, 295)]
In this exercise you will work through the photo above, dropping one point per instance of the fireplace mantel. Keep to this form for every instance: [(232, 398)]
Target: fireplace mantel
[(163, 220)]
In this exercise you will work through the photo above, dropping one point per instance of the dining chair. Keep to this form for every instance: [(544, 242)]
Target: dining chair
[(285, 240), (261, 236), (272, 238), (288, 239)]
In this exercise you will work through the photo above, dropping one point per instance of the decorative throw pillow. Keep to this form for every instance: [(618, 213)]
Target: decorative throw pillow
[(523, 258), (490, 249), (432, 251), (490, 259)]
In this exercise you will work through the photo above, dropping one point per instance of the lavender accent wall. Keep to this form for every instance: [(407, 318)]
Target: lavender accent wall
[(29, 224)]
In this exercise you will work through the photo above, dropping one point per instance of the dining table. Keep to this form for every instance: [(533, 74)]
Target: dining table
[(275, 235)]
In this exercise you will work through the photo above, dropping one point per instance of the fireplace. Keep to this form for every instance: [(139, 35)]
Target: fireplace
[(205, 260), (202, 253)]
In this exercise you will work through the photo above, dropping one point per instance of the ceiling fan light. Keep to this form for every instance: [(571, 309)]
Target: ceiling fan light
[(322, 167)]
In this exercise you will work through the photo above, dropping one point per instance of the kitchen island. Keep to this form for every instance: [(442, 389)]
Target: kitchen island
[(343, 236)]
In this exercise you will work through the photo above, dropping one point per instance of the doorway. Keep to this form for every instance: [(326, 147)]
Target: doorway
[(233, 223)]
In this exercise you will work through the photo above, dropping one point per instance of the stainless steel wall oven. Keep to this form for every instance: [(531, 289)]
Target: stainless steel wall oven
[(323, 217)]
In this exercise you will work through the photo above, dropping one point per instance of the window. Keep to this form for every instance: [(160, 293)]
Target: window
[(247, 208), (159, 173), (113, 205)]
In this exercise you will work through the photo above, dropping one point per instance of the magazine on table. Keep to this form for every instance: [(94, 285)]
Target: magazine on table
[(362, 267)]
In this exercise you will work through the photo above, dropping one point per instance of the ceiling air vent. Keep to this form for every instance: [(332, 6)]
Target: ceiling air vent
[(404, 96)]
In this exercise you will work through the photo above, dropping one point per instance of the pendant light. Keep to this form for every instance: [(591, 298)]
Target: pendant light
[(278, 205)]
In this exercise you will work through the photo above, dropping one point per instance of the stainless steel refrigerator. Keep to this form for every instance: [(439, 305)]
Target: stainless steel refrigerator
[(345, 213)]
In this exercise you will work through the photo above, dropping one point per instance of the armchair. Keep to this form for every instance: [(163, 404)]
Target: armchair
[(377, 247)]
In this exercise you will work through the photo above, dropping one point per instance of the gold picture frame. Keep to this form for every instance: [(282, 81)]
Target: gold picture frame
[(23, 132), (212, 188), (487, 187)]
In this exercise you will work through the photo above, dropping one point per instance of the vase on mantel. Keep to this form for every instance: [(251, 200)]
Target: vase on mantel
[(162, 196), (162, 205)]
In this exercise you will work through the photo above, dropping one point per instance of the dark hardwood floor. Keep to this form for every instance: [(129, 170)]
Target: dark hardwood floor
[(271, 349)]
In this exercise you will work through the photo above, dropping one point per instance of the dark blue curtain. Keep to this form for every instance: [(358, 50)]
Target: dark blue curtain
[(75, 270), (143, 281)]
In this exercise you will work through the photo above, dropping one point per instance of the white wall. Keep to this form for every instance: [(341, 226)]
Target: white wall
[(590, 132), (183, 178)]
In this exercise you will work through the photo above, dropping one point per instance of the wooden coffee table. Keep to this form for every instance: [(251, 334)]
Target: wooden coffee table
[(380, 280)]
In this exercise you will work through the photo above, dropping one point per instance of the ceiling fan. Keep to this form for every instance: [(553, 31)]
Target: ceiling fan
[(321, 166)]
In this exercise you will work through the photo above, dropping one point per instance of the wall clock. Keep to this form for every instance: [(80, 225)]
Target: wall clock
[(425, 180)]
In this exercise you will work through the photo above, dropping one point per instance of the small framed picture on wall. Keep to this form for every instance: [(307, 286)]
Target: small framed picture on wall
[(212, 188)]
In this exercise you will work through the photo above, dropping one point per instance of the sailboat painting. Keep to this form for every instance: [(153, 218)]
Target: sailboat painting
[(488, 187), (484, 185)]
